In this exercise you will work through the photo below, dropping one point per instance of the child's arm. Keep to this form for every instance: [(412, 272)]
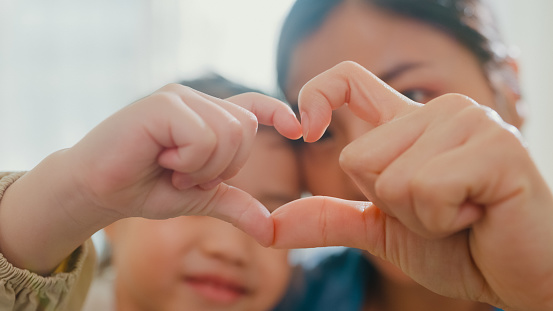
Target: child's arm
[(161, 157)]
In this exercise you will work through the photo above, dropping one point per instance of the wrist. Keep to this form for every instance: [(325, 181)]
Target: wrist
[(73, 194), (44, 217)]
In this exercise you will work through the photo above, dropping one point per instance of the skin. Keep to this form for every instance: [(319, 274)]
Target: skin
[(161, 157), (165, 264), (455, 187), (403, 53), (451, 184)]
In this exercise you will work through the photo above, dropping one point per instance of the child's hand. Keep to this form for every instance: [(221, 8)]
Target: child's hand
[(462, 209), (167, 154), (161, 157)]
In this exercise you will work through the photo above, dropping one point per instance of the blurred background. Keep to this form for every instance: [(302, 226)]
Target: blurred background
[(65, 65)]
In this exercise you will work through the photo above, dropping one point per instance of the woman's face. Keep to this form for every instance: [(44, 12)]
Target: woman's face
[(413, 57)]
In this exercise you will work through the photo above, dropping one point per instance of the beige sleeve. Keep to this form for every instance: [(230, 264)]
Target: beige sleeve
[(22, 290)]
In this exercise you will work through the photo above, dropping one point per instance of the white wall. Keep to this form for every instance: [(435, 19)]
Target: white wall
[(529, 27), (67, 64)]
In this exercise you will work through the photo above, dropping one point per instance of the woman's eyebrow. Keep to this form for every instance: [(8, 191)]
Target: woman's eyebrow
[(398, 70)]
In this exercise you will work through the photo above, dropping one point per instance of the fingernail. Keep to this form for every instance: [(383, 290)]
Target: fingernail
[(305, 125)]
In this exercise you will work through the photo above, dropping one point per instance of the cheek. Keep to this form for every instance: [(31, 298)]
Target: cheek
[(152, 248), (147, 281), (148, 261), (137, 278)]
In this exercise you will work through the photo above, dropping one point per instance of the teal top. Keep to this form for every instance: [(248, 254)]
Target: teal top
[(336, 283)]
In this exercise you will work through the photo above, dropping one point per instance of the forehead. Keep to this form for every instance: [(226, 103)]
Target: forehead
[(376, 39)]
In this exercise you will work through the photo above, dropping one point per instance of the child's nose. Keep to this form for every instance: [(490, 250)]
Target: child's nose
[(225, 242)]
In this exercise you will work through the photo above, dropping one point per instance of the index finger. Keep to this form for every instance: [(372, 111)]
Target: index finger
[(268, 110), (349, 83)]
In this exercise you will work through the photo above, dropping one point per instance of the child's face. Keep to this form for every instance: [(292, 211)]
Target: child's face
[(202, 263)]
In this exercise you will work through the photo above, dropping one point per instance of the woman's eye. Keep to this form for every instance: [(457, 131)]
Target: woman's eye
[(417, 95)]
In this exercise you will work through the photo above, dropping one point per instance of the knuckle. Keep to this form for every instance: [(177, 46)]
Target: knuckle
[(349, 65), (420, 186), (174, 88), (508, 136), (419, 190), (506, 139), (424, 186), (234, 131), (249, 122), (354, 158), (452, 103), (166, 99), (480, 115), (460, 100), (386, 188), (348, 159), (488, 120), (429, 211), (323, 222), (207, 142), (250, 95)]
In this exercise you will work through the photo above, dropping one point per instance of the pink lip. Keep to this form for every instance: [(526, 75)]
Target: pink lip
[(216, 289)]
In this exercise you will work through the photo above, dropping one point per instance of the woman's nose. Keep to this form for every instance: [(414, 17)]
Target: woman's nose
[(226, 243)]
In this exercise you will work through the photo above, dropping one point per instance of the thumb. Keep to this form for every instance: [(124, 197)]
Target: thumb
[(325, 221), (239, 208), (349, 83)]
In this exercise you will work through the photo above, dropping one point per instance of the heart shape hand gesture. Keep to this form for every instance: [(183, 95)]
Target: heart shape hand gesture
[(454, 198)]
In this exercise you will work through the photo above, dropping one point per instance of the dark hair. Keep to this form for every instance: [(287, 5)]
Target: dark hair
[(471, 22)]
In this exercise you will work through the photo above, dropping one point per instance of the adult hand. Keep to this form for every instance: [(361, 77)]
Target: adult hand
[(457, 202)]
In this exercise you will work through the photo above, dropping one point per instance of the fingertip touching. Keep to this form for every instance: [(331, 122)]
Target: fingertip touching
[(239, 208), (270, 111), (286, 123), (348, 83)]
